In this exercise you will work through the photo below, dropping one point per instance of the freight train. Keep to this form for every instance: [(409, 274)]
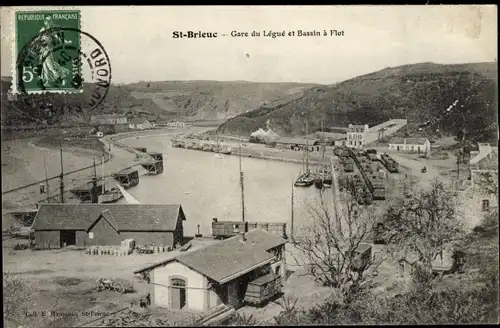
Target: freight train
[(391, 165)]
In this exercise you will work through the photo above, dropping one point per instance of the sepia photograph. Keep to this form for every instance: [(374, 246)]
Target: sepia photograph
[(168, 166)]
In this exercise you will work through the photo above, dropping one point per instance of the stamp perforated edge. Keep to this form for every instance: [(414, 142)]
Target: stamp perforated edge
[(13, 29)]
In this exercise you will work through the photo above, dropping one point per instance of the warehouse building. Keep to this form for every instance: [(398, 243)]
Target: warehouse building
[(412, 145), (297, 144), (247, 267), (60, 225)]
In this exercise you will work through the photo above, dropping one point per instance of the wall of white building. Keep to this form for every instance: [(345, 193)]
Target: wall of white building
[(196, 291)]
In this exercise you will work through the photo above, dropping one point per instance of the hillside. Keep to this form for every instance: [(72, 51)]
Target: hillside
[(213, 100), (194, 100), (418, 92), (56, 108)]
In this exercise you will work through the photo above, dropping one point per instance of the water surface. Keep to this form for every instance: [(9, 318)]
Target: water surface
[(207, 186)]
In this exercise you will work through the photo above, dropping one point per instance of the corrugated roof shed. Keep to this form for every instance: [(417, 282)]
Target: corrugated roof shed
[(409, 141), (229, 258), (123, 217)]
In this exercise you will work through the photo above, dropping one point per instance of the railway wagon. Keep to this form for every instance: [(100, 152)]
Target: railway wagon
[(349, 165), (226, 229), (391, 165), (262, 289)]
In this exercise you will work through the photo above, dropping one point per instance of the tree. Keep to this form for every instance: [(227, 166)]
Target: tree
[(487, 182), (425, 223), (330, 254)]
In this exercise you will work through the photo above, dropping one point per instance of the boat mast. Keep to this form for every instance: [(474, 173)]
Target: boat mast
[(291, 228), (103, 177), (46, 179), (307, 147), (242, 188), (61, 185)]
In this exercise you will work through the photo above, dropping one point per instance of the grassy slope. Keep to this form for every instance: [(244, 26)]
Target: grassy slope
[(74, 108), (417, 92), (196, 100), (213, 100)]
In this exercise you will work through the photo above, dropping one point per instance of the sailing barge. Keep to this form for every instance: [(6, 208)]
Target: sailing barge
[(307, 178)]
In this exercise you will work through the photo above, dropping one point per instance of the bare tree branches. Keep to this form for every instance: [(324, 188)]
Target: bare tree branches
[(332, 257), (487, 181), (424, 223)]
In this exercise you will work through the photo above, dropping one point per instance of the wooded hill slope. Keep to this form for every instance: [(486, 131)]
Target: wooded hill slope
[(213, 100), (186, 100), (418, 92)]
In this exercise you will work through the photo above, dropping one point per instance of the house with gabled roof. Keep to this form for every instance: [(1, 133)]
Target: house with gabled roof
[(412, 145), (60, 225), (220, 273)]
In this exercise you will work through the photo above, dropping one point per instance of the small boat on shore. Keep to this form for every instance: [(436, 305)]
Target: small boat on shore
[(304, 180), (318, 182), (328, 180), (110, 196)]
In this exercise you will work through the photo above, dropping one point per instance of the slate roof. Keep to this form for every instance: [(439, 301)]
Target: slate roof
[(122, 217), (409, 141), (229, 258)]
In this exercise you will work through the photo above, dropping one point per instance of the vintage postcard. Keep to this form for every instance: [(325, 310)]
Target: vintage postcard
[(249, 165)]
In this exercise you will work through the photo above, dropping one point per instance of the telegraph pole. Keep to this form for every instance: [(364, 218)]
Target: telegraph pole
[(61, 186), (242, 190), (46, 180), (291, 228)]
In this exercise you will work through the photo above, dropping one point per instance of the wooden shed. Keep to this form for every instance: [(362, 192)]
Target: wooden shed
[(262, 289), (127, 178), (82, 225)]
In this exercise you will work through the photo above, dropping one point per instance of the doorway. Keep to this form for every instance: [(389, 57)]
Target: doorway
[(178, 293), (67, 238)]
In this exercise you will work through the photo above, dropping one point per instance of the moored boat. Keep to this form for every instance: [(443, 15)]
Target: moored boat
[(328, 180), (110, 196), (304, 180), (318, 182)]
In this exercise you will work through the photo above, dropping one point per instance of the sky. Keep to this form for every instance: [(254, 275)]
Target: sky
[(140, 45)]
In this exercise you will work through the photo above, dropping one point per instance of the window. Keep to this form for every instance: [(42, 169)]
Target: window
[(178, 282), (91, 235), (486, 205)]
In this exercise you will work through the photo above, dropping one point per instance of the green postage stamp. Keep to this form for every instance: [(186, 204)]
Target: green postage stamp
[(45, 41)]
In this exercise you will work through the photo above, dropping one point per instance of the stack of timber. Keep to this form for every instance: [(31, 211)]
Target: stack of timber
[(217, 315), (130, 318)]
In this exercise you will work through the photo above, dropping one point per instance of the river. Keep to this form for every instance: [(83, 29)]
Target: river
[(207, 186)]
